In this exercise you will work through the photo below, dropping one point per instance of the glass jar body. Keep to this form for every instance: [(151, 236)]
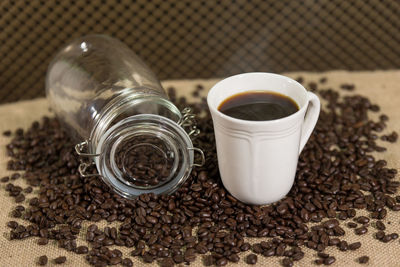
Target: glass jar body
[(99, 88)]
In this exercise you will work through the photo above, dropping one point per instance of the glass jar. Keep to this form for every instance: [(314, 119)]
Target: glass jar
[(120, 116)]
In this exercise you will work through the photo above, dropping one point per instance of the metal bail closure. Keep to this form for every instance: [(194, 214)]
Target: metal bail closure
[(188, 122), (81, 149), (202, 157)]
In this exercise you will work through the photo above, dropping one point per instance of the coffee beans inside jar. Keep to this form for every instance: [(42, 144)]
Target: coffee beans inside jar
[(336, 176)]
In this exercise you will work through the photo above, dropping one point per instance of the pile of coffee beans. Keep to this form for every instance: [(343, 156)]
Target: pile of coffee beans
[(336, 176)]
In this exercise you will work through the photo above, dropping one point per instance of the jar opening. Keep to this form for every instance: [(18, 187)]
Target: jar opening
[(145, 154)]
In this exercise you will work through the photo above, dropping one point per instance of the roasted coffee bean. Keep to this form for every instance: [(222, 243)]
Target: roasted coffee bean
[(28, 190), (361, 230), (60, 260), (322, 255), (363, 259), (319, 261), (12, 224), (354, 246), (251, 259), (221, 262), (42, 260), (343, 246), (330, 260), (201, 249), (128, 262), (394, 236), (82, 250), (348, 87), (334, 241), (379, 235), (387, 238), (351, 225), (298, 256), (329, 224), (167, 262), (42, 241), (362, 220), (380, 225), (16, 214), (245, 247), (286, 262), (115, 260), (19, 198), (233, 258)]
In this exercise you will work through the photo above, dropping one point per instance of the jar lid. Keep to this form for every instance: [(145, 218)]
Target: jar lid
[(145, 153)]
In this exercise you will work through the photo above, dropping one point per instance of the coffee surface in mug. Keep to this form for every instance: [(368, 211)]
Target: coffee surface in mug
[(258, 106)]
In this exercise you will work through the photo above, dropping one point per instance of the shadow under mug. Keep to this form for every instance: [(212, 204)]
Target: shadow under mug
[(257, 159)]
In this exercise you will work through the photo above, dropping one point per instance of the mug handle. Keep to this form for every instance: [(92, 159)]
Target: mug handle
[(310, 119)]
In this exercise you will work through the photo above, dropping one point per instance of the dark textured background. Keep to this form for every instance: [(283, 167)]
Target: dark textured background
[(201, 39)]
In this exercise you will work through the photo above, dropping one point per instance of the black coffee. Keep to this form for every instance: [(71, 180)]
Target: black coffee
[(258, 106)]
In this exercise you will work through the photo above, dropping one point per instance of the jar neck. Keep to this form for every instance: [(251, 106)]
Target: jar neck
[(128, 105)]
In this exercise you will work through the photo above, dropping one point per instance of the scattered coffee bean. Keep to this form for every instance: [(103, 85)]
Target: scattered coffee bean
[(380, 225), (7, 133), (300, 79), (60, 260), (351, 225), (343, 245), (12, 224), (362, 220), (19, 198), (222, 262), (330, 260), (167, 262), (319, 261), (379, 235), (286, 262), (15, 176), (387, 238), (348, 87), (322, 255), (43, 260), (363, 259), (233, 258), (361, 230), (42, 241), (28, 190), (331, 223), (354, 246), (5, 179), (313, 86), (128, 262), (394, 236), (82, 250), (251, 259)]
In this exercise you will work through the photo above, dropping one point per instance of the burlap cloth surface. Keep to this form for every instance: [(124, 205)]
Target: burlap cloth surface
[(382, 87)]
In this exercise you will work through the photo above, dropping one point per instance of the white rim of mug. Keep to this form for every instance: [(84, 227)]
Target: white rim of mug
[(276, 121)]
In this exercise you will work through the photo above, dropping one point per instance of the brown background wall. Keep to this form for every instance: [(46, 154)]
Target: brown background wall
[(202, 39)]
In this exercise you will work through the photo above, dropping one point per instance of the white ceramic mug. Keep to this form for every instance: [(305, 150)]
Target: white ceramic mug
[(257, 159)]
